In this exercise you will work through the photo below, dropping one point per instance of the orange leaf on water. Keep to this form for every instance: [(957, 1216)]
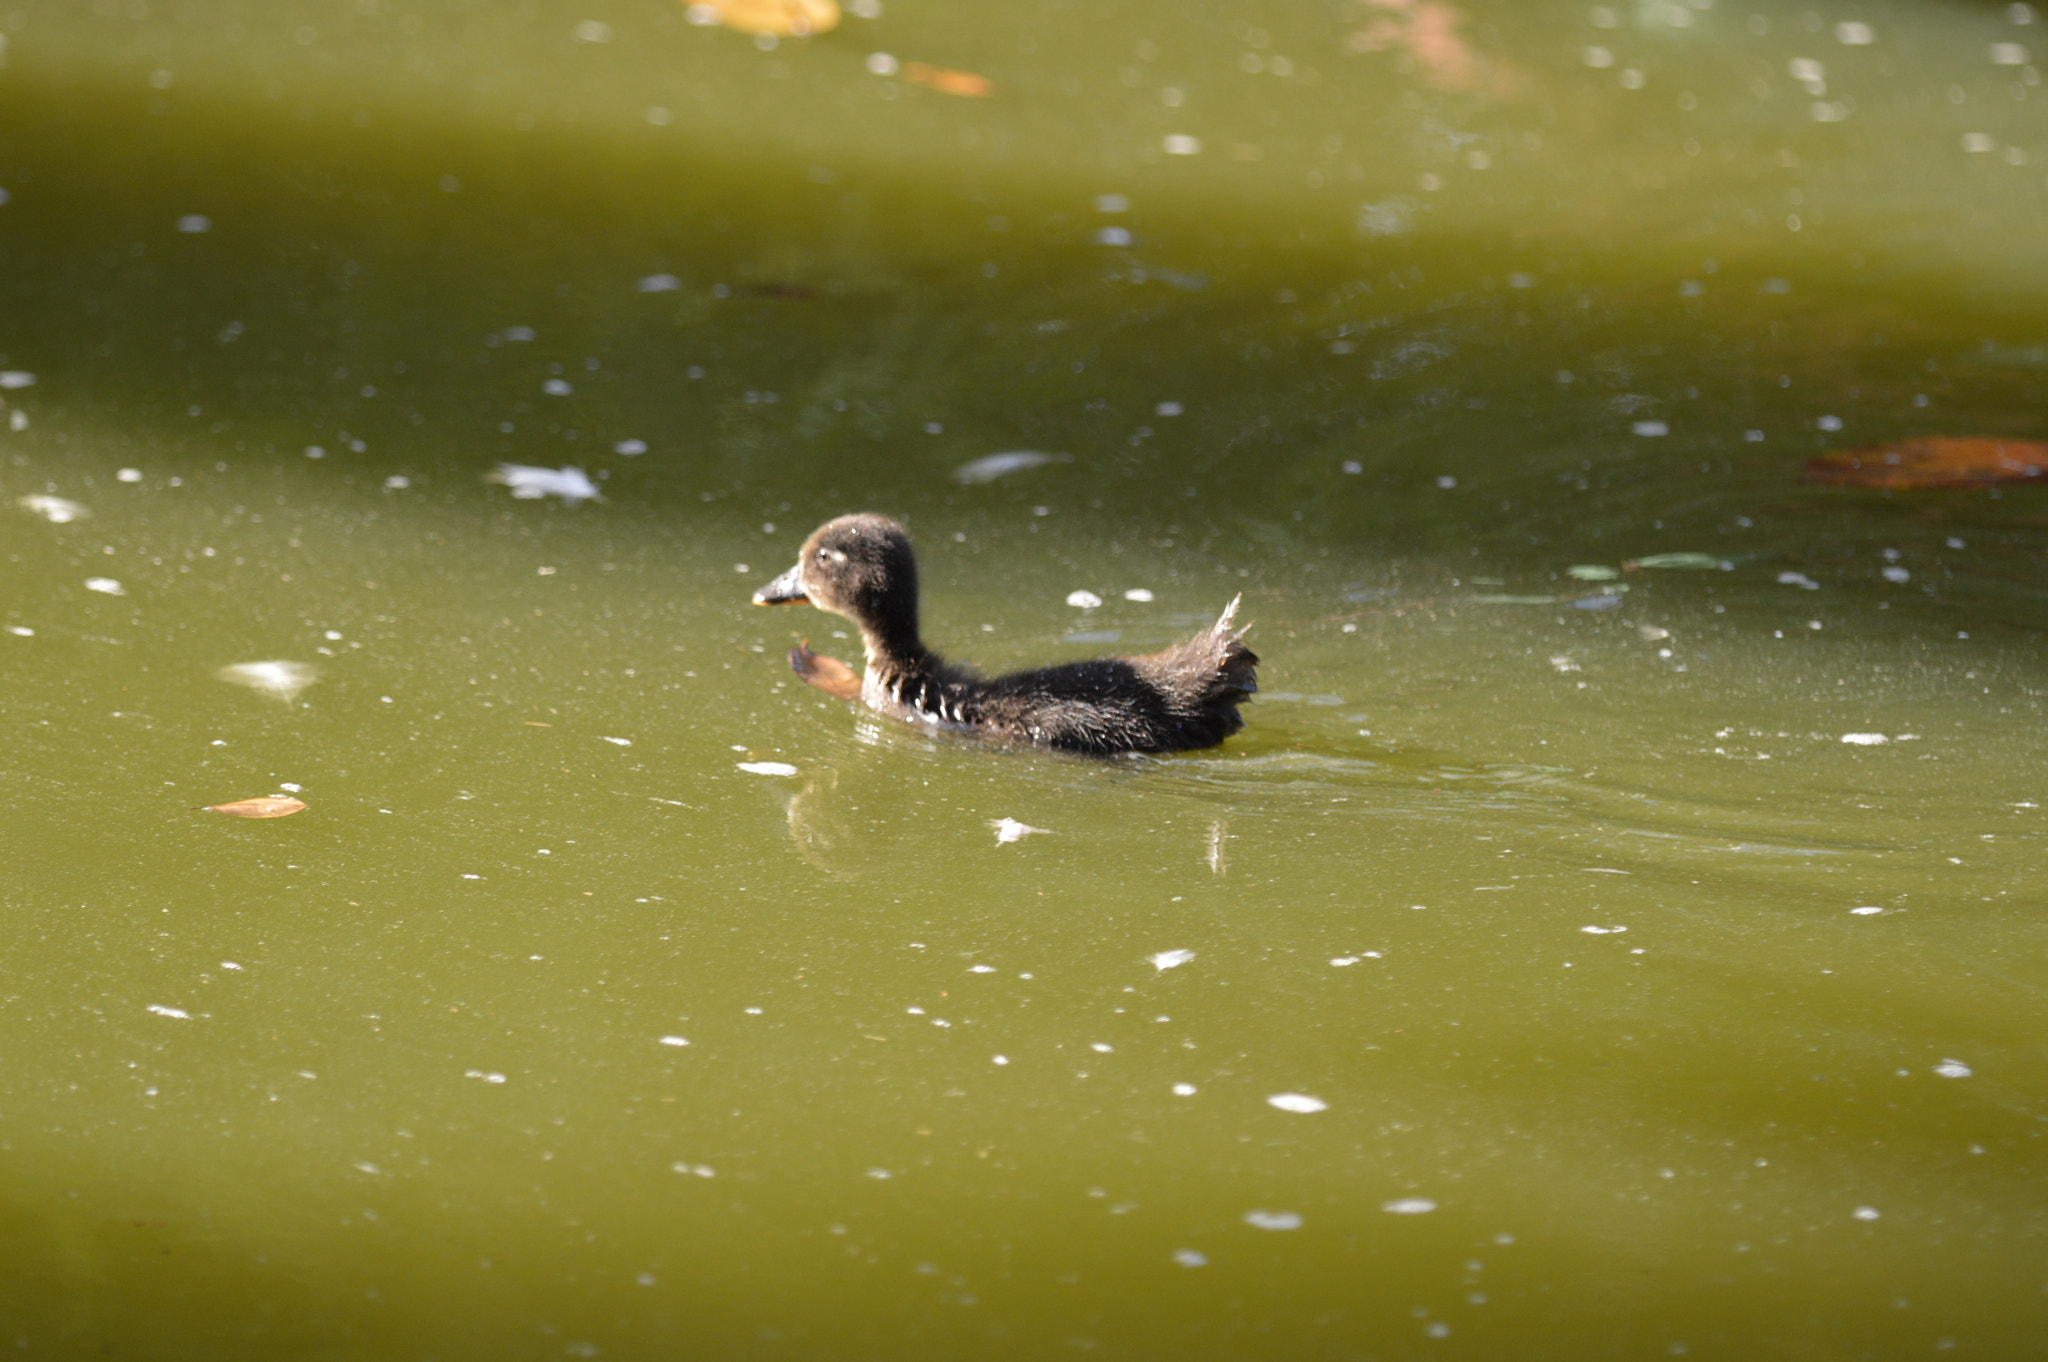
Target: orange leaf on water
[(963, 83), (1933, 461), (784, 18), (267, 806)]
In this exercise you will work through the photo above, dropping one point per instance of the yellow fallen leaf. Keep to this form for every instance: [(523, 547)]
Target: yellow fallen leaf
[(784, 18), (963, 83), (266, 806)]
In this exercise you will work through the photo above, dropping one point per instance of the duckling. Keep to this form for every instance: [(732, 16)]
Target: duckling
[(861, 567)]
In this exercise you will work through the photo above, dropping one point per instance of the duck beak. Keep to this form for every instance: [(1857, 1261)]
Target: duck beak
[(788, 589)]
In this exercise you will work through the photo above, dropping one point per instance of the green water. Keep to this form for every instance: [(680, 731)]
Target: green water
[(1646, 1015)]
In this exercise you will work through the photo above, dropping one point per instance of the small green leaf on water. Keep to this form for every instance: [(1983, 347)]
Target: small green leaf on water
[(1697, 562), (1592, 572)]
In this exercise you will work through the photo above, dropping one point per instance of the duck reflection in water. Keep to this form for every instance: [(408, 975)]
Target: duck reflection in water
[(861, 567)]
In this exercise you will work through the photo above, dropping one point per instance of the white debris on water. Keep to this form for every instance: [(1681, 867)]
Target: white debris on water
[(1952, 1068), (1166, 960), (659, 283), (1272, 1220), (106, 586), (1866, 910), (1602, 931), (1865, 1213), (530, 483), (992, 466), (768, 768), (1798, 579), (1184, 1090), (629, 448), (1010, 830), (1297, 1101), (56, 510), (1083, 600), (1138, 594), (1414, 1205), (16, 378), (284, 680), (178, 1013), (1865, 739), (1190, 1258), (675, 1040)]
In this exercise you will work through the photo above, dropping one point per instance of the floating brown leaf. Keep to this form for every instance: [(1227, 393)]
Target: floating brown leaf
[(947, 82), (1934, 461), (266, 806), (784, 18)]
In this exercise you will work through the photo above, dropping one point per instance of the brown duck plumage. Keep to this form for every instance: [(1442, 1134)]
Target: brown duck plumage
[(861, 566)]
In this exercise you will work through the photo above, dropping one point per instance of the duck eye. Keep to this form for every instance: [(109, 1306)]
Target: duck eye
[(832, 555)]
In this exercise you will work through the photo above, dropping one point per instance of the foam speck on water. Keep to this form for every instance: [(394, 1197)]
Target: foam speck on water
[(1190, 1258), (1865, 739), (56, 510), (106, 586), (1952, 1068), (280, 679), (768, 768), (1297, 1101), (1272, 1220), (675, 1040), (1414, 1205), (992, 466), (178, 1013), (530, 483)]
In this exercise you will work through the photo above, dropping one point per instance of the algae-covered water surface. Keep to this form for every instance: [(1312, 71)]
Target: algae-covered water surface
[(1616, 933)]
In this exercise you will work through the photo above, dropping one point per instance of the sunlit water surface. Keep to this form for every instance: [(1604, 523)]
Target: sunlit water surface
[(1582, 953)]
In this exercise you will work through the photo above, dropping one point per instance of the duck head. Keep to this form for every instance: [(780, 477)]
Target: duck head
[(861, 567)]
